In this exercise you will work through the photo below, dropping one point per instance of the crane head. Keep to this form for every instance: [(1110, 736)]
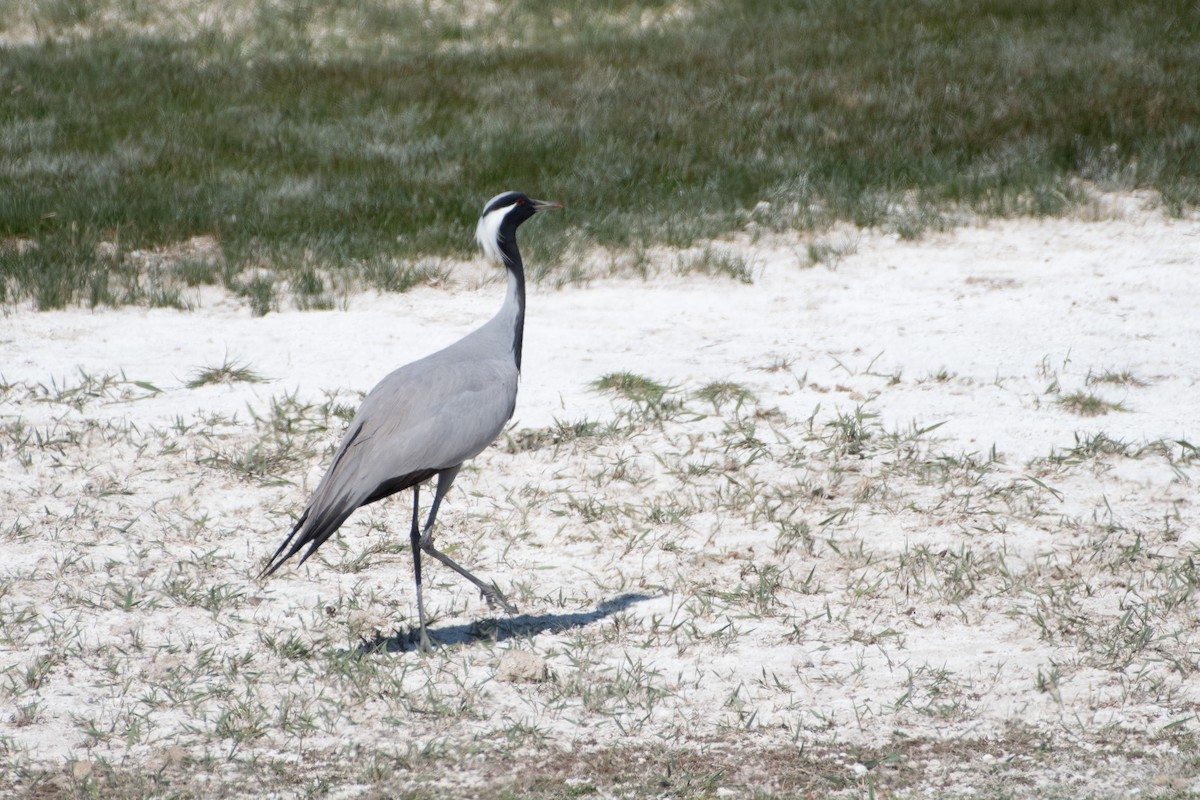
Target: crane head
[(501, 216)]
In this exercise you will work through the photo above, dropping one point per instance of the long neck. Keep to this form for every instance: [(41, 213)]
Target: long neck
[(514, 301)]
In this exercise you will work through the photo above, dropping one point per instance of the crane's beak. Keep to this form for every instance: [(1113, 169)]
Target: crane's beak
[(545, 205)]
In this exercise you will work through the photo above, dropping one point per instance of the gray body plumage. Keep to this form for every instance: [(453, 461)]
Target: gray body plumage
[(423, 418), (428, 417)]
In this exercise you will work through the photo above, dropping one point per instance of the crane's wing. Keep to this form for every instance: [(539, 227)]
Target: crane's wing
[(423, 418)]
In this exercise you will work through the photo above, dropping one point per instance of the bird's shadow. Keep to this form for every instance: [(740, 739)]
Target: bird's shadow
[(498, 630)]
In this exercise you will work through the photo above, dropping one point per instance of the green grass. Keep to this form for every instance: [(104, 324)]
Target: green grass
[(1088, 405), (1122, 378), (229, 371), (350, 134), (721, 392), (649, 399)]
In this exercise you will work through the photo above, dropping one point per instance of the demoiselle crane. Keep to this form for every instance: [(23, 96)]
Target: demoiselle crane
[(427, 418)]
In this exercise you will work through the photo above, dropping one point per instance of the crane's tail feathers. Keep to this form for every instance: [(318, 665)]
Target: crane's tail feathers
[(276, 562), (312, 531)]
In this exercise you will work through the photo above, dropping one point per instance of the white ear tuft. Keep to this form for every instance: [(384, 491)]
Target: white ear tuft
[(487, 232)]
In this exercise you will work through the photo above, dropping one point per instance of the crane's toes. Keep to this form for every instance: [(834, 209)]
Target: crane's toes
[(421, 640), (495, 597)]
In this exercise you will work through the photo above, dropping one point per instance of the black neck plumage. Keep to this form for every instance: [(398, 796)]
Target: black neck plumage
[(512, 260)]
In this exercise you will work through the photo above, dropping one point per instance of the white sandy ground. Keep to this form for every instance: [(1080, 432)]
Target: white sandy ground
[(753, 583)]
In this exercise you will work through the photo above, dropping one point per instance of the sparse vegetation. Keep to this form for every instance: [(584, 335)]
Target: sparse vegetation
[(721, 392), (784, 553), (649, 399), (712, 262), (557, 435), (1114, 377), (830, 253), (229, 371), (1087, 404)]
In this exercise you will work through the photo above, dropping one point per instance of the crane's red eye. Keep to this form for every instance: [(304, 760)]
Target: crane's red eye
[(520, 201)]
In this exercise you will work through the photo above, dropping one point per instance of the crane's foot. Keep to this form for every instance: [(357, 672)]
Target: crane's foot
[(494, 597), (421, 640), (489, 591)]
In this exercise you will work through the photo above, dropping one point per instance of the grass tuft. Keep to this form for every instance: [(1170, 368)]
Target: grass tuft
[(1115, 378), (721, 392), (632, 387), (714, 262), (1087, 404), (558, 434), (229, 371)]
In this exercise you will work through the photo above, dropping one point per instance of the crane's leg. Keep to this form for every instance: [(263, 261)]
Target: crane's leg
[(490, 591), (423, 643)]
